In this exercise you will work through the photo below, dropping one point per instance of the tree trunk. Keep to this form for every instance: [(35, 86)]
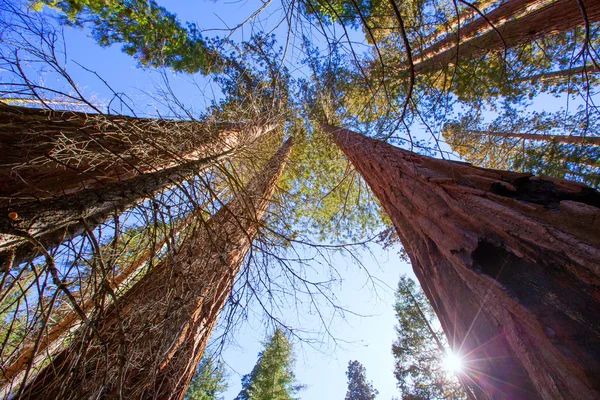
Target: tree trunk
[(589, 140), (510, 263), (479, 38), (561, 75), (152, 338), (448, 29), (52, 153), (34, 353), (48, 223)]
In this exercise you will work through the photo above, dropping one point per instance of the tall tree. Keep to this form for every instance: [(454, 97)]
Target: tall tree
[(149, 341), (420, 349), (36, 352), (148, 32), (358, 386), (34, 228), (508, 261), (478, 38), (51, 153), (272, 378), (209, 382)]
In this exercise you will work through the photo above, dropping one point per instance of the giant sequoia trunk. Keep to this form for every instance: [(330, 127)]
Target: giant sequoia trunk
[(150, 341), (509, 261), (478, 37), (47, 223), (30, 228), (51, 153)]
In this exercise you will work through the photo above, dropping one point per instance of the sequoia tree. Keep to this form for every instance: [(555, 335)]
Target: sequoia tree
[(51, 153), (35, 227), (513, 24), (148, 343), (508, 261), (36, 350)]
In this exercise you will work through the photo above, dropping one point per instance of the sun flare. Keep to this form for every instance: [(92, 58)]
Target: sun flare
[(453, 363)]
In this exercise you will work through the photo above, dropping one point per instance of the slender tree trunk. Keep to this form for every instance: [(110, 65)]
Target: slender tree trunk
[(479, 38), (52, 153), (509, 261), (152, 338), (560, 75), (589, 140)]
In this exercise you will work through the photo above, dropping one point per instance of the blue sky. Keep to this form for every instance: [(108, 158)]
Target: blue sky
[(366, 338)]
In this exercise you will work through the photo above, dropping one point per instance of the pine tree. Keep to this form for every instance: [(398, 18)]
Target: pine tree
[(272, 378), (507, 260), (358, 386), (209, 382), (155, 334)]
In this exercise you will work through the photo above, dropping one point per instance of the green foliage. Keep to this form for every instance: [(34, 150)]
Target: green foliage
[(330, 198), (272, 378), (209, 382), (358, 386), (489, 146), (148, 32), (417, 352)]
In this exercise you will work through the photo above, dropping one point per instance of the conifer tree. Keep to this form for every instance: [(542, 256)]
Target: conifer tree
[(358, 386), (420, 348), (210, 380), (148, 342), (272, 378), (508, 261)]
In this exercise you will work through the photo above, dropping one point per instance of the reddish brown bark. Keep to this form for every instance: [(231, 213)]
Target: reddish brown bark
[(510, 263), (52, 153), (34, 353), (555, 17), (153, 337), (447, 29), (589, 140), (48, 223)]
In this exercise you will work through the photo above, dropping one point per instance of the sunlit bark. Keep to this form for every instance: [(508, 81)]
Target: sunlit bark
[(52, 153), (150, 341), (509, 261), (479, 38)]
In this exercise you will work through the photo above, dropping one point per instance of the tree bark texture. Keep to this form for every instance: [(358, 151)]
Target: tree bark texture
[(151, 340), (467, 13), (52, 153), (48, 223), (585, 140), (509, 261), (34, 353), (479, 38)]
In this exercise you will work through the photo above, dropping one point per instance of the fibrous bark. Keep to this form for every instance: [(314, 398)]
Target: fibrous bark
[(478, 37), (52, 153), (509, 261), (151, 340), (48, 223), (34, 352)]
